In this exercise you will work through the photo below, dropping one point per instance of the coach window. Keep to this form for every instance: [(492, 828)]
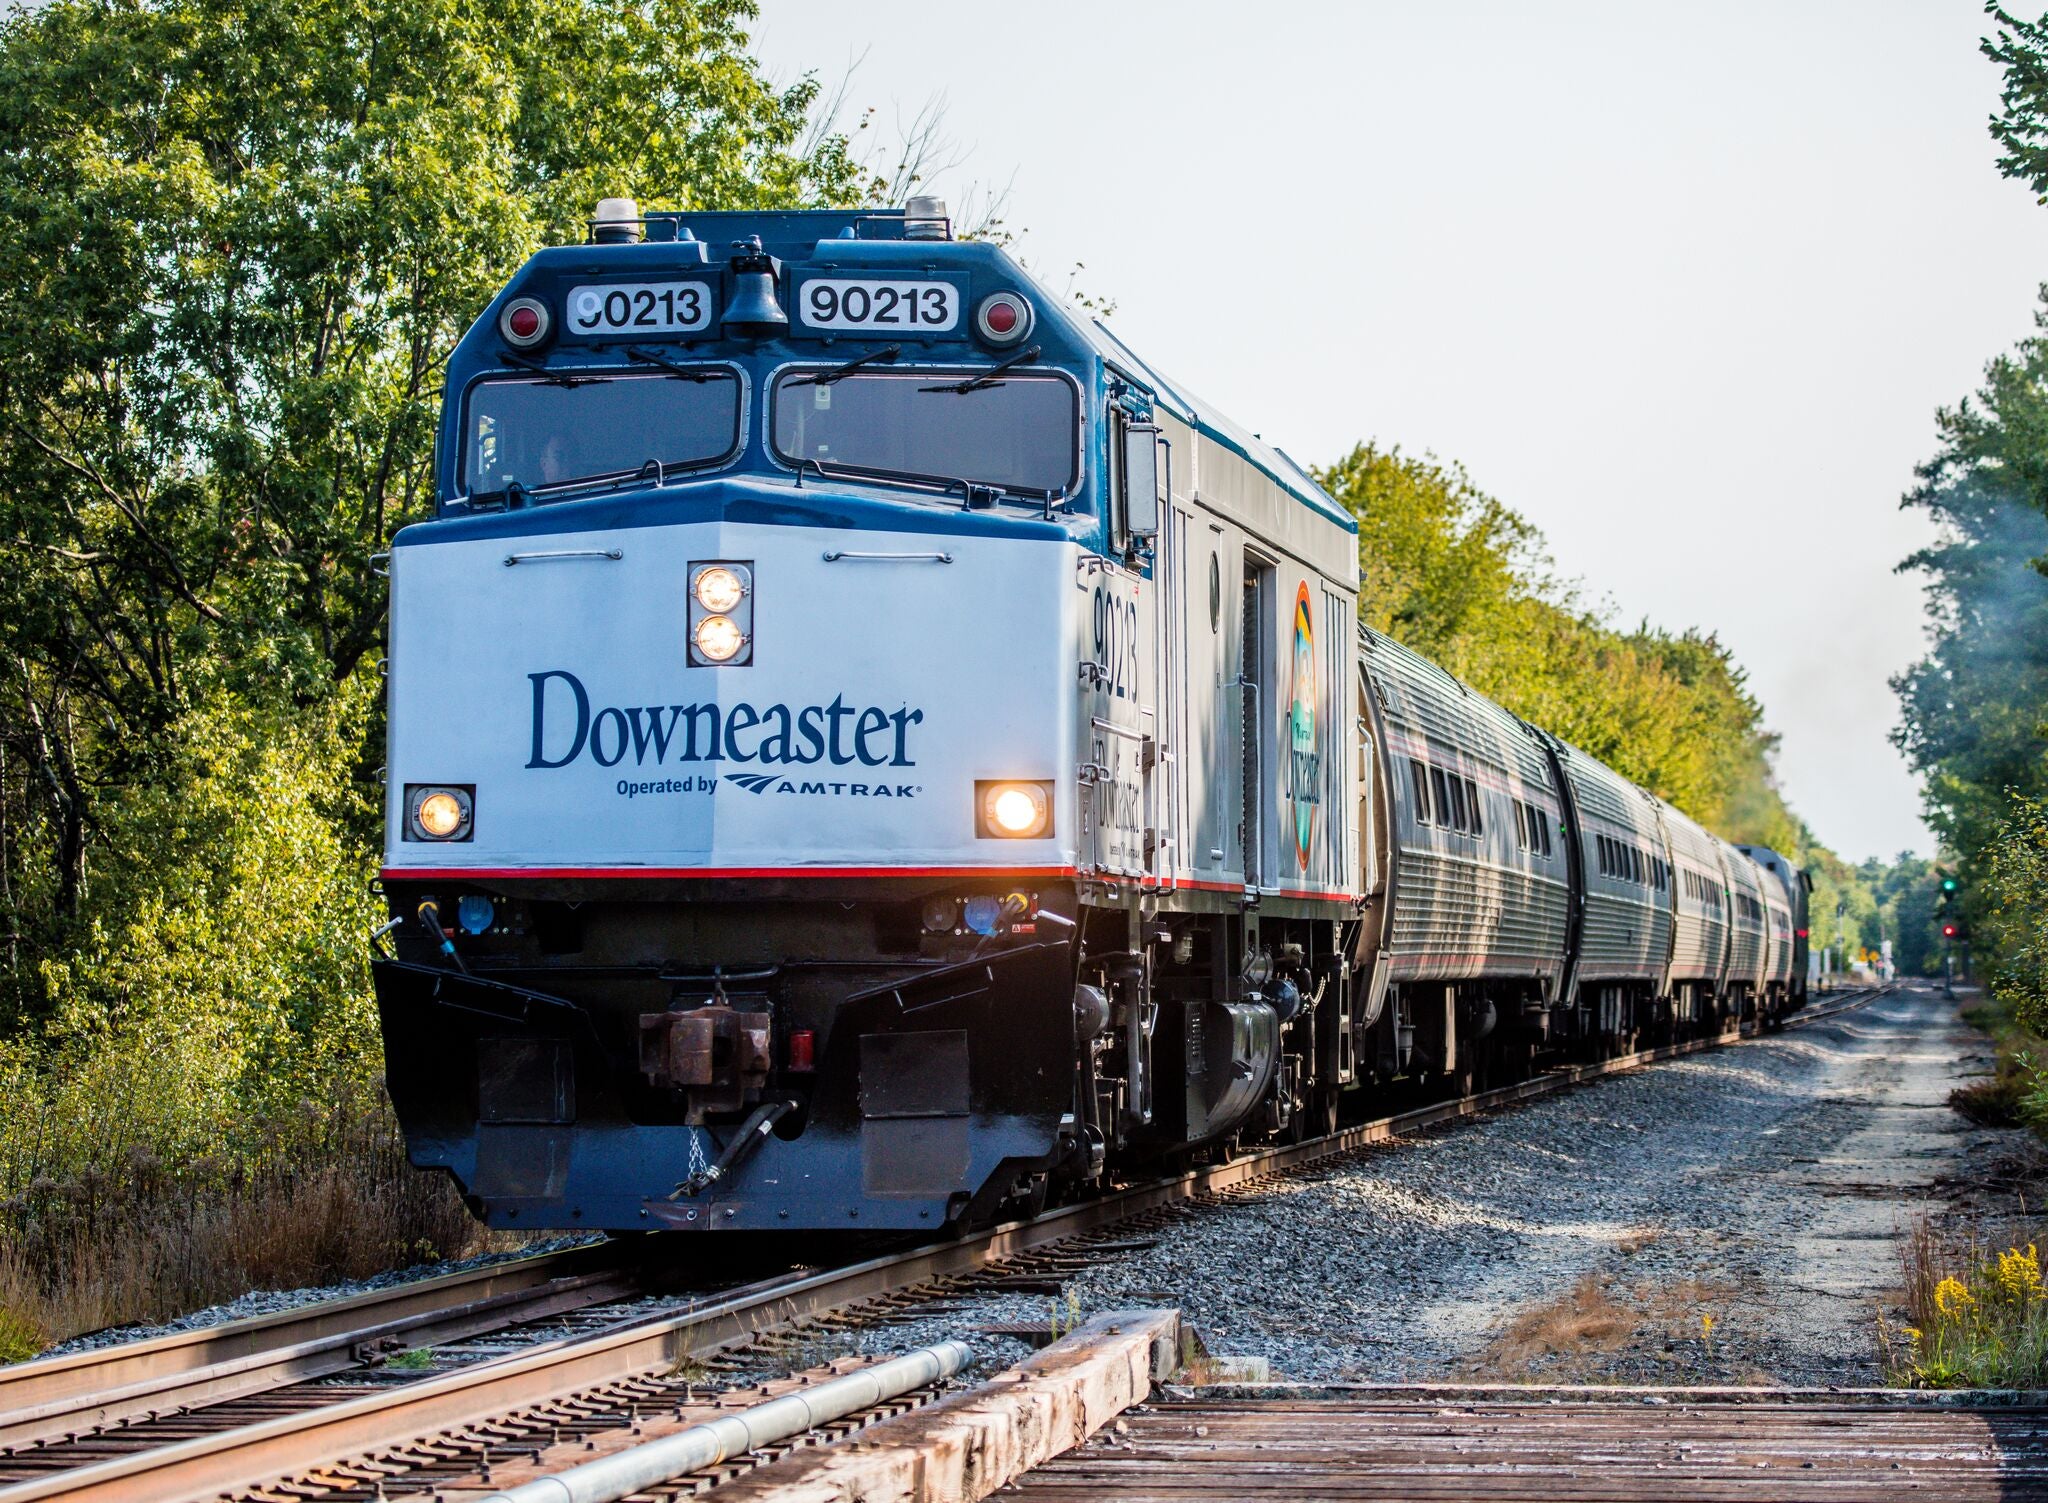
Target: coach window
[(1443, 796), (1478, 825), (1420, 778)]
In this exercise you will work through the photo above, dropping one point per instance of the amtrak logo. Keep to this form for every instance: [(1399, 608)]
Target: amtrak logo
[(1304, 769), (775, 782)]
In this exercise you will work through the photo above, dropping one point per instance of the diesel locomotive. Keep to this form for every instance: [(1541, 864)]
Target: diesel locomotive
[(868, 751)]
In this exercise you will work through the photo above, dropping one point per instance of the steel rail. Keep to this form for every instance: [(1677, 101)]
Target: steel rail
[(58, 1398), (211, 1465)]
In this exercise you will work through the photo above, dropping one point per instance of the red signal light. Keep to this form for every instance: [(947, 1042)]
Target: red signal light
[(1801, 933), (1948, 931)]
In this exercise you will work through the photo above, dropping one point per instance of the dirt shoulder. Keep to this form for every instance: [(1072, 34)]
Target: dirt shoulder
[(1776, 1269)]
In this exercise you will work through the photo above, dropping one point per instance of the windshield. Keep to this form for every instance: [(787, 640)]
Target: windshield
[(546, 431), (1017, 432)]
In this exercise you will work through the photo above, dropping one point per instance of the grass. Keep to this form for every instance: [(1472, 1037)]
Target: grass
[(2011, 1096), (1600, 1328), (1586, 1322), (1976, 1313), (145, 1243)]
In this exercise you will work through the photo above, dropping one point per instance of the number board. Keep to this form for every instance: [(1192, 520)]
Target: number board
[(922, 307), (627, 310)]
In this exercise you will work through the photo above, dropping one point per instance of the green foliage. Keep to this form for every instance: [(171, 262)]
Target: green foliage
[(1463, 579), (241, 240), (222, 982), (1974, 710), (1977, 1316), (2021, 124), (2012, 911)]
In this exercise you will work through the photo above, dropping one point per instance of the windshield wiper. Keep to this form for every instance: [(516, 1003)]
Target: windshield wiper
[(838, 372), (990, 377), (975, 495), (696, 373), (548, 377)]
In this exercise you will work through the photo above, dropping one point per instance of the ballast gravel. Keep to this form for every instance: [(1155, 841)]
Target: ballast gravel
[(1729, 1217)]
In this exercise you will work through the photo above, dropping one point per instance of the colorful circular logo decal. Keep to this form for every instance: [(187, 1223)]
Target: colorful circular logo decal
[(1304, 777)]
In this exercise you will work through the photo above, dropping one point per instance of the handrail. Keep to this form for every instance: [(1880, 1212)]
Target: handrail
[(533, 558), (836, 555)]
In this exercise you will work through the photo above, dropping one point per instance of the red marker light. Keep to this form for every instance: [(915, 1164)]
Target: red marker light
[(803, 1045), (524, 322), (1801, 933), (1002, 318)]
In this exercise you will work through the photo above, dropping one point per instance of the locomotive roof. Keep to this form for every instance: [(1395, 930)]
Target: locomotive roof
[(1276, 463), (878, 238)]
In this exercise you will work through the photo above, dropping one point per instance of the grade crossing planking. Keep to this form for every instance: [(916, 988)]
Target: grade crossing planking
[(1760, 1448)]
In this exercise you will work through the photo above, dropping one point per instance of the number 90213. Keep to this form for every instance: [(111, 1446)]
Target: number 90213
[(601, 308), (846, 304)]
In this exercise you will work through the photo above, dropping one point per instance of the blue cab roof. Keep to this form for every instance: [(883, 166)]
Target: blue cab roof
[(867, 238)]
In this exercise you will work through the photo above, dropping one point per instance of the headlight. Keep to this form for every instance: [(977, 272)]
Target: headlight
[(718, 589), (718, 638), (1013, 811), (721, 612), (438, 811)]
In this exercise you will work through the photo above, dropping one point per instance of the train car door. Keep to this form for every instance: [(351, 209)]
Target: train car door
[(1255, 710), (1123, 637)]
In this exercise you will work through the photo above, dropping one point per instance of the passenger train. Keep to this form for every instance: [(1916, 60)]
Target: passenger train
[(866, 750)]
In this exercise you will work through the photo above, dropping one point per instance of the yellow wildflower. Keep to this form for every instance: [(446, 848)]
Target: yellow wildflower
[(1952, 1297), (1912, 1332), (2019, 1275)]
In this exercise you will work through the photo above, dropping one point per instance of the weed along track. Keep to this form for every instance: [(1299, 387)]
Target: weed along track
[(229, 1411)]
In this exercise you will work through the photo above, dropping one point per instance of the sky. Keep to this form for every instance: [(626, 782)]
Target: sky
[(1684, 285)]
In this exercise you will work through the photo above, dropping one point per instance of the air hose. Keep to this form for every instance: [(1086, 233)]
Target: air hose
[(430, 915), (745, 1141)]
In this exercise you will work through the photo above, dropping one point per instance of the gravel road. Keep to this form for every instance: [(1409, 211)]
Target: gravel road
[(1590, 1237)]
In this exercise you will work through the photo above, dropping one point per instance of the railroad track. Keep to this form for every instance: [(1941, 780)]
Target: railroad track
[(226, 1411)]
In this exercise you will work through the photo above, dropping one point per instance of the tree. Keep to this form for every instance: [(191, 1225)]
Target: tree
[(242, 236), (1464, 579), (2021, 125)]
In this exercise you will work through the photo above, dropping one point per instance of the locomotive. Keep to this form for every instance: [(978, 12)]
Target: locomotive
[(867, 751)]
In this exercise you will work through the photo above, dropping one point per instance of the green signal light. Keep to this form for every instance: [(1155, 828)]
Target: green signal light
[(1948, 884)]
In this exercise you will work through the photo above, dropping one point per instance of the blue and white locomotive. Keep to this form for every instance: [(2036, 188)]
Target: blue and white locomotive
[(866, 751)]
